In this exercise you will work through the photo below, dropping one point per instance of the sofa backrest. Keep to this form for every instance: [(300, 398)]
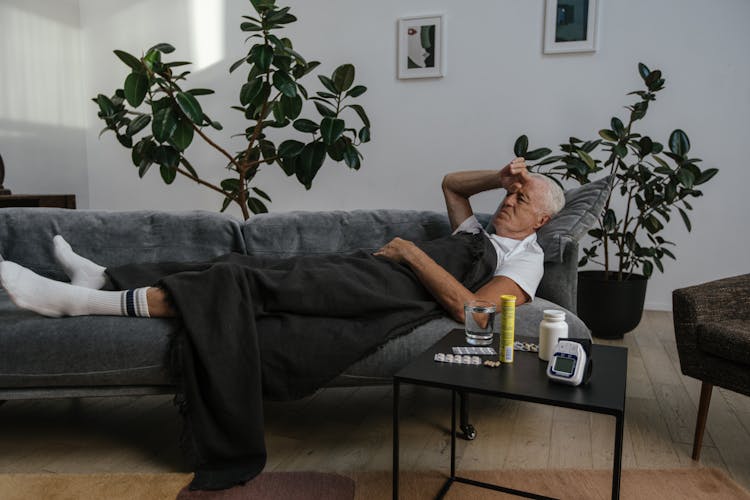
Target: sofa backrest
[(115, 238)]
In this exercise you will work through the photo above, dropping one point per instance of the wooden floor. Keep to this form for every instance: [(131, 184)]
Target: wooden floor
[(349, 429)]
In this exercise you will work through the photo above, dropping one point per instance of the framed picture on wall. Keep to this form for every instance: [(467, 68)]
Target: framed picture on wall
[(420, 47), (570, 26)]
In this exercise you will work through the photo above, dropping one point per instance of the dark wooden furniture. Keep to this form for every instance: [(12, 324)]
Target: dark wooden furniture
[(524, 380), (712, 331), (38, 200)]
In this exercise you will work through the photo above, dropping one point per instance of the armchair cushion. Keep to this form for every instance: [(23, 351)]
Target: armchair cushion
[(727, 339)]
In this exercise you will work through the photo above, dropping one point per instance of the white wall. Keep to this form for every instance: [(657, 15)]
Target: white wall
[(42, 122), (498, 85)]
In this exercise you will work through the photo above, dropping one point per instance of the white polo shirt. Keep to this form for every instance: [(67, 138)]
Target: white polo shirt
[(520, 260)]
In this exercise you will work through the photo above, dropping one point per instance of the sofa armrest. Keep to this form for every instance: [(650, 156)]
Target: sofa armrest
[(560, 281)]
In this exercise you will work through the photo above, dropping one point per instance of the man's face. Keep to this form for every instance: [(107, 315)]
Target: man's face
[(519, 214)]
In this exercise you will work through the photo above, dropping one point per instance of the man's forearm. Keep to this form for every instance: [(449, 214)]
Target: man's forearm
[(441, 284), (470, 182)]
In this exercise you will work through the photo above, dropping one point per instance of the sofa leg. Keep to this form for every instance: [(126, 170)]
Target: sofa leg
[(469, 432), (700, 423)]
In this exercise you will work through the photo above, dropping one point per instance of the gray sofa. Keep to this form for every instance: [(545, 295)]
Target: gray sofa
[(105, 356)]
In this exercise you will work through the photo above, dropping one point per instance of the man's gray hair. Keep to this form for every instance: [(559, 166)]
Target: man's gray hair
[(554, 197)]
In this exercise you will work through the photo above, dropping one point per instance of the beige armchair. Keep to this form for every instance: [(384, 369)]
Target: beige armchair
[(712, 330)]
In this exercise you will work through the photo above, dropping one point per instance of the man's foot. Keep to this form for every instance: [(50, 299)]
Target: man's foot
[(80, 270), (44, 296)]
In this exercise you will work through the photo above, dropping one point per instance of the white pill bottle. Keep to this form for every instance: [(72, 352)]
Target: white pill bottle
[(552, 328)]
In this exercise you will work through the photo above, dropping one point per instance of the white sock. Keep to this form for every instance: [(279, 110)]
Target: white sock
[(80, 270), (44, 296)]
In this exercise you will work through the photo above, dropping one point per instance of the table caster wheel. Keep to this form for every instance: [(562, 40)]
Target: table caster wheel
[(469, 432)]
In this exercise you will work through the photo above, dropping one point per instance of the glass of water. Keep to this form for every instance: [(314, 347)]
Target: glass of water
[(479, 322)]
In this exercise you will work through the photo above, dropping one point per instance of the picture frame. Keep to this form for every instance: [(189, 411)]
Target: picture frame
[(420, 47), (570, 26)]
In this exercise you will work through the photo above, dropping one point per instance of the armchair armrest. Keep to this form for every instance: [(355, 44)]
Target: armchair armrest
[(709, 303)]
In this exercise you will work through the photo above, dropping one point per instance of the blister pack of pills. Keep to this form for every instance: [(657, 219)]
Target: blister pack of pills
[(458, 359)]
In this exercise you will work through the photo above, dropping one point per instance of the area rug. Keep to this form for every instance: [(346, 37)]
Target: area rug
[(641, 484)]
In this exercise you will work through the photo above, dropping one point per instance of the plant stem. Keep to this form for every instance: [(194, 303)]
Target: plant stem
[(198, 179)]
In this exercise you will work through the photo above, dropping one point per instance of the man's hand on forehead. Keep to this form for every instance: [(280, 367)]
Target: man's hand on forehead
[(514, 175)]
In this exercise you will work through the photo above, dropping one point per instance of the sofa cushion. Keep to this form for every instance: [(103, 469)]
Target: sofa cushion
[(727, 339), (583, 205), (295, 233), (80, 351), (115, 238)]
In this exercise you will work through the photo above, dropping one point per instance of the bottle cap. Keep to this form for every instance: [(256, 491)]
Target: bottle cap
[(554, 314)]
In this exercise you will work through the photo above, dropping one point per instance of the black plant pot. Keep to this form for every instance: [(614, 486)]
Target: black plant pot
[(610, 308)]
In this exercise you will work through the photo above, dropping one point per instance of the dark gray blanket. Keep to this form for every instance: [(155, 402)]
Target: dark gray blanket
[(281, 328)]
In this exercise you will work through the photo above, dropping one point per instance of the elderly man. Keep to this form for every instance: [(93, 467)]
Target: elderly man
[(530, 202)]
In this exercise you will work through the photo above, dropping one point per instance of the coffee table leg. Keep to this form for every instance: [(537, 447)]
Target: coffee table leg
[(395, 438), (453, 435), (617, 469)]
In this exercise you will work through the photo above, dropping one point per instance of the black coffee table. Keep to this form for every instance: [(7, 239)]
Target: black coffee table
[(524, 380)]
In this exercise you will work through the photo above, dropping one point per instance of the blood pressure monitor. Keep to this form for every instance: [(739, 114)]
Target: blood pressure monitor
[(569, 363)]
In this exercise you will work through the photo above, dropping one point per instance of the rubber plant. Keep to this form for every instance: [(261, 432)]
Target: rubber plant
[(157, 117), (652, 180)]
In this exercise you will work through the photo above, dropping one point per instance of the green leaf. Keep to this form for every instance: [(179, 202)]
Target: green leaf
[(706, 175), (136, 86), (343, 77), (324, 110), (292, 106), (305, 125), (143, 167), (648, 268), (337, 149), (362, 115), (290, 148), (328, 83), (587, 159), (364, 134), (250, 27), (183, 134), (352, 157), (309, 162), (125, 140), (643, 70), (164, 48), (284, 83), (143, 150), (189, 105), (105, 105), (685, 219), (288, 165), (138, 124), (618, 127), (200, 91), (356, 91), (521, 146), (261, 193), (608, 135), (537, 154), (262, 55), (609, 220), (621, 150), (236, 64), (167, 156), (679, 143), (168, 174), (250, 90), (164, 124), (685, 177), (331, 129), (256, 206), (130, 60)]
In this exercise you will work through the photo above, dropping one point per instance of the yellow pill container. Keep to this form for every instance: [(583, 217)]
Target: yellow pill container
[(507, 327)]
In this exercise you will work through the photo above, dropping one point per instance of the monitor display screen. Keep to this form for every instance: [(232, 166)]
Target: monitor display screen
[(565, 365)]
